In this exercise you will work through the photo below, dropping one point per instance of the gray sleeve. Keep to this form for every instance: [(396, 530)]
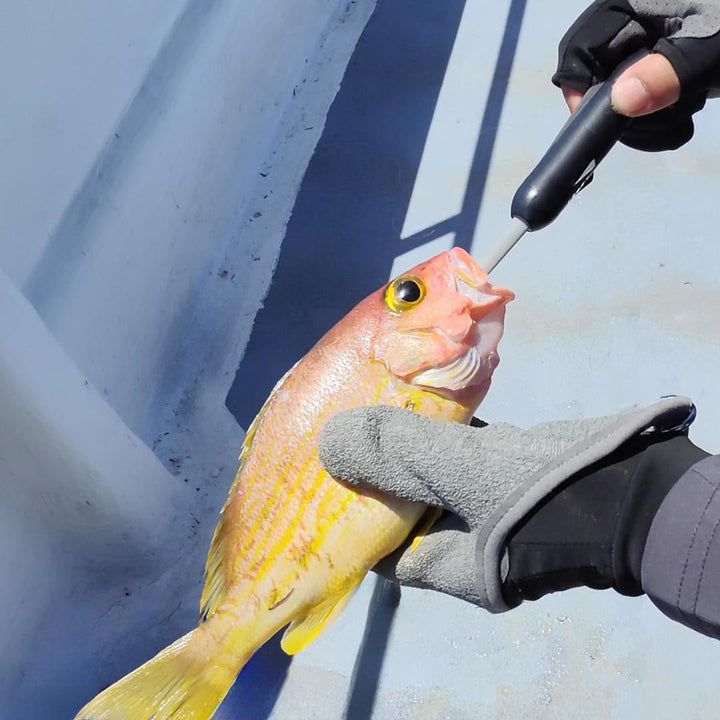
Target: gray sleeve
[(681, 561)]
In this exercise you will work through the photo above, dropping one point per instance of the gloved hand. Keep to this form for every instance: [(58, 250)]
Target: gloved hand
[(488, 478), (685, 32)]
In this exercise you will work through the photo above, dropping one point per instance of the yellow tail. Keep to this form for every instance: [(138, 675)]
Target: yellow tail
[(185, 681)]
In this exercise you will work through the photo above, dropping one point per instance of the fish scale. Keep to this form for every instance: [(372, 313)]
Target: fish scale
[(292, 543), (326, 504)]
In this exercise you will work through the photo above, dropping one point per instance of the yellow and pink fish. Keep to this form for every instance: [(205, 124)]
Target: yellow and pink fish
[(292, 543)]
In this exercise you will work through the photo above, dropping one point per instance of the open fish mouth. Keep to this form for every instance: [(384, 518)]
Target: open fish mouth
[(476, 349), (467, 286), (476, 365)]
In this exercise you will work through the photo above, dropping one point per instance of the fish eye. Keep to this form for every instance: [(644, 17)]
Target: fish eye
[(404, 293), (408, 291)]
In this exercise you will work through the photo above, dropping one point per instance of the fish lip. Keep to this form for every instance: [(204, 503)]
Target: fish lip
[(480, 293)]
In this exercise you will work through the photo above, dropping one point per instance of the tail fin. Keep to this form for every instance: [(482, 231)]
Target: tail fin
[(185, 681)]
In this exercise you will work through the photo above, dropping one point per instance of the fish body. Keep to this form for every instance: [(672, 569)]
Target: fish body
[(292, 543)]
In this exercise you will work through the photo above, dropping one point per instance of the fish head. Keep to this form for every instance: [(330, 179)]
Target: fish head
[(440, 327)]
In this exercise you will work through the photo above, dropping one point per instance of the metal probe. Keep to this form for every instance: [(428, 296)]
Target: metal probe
[(565, 169)]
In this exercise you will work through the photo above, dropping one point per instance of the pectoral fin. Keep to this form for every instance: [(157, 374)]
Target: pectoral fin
[(426, 522), (301, 632)]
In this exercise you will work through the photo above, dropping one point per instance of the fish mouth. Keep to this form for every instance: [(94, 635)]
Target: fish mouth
[(475, 366), (475, 356), (476, 286)]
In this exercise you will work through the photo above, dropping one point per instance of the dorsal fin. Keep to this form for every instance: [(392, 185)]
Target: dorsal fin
[(221, 557)]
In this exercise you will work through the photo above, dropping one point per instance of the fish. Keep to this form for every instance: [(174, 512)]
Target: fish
[(292, 542)]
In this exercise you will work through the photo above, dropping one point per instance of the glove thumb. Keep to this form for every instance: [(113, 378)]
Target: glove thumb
[(394, 450)]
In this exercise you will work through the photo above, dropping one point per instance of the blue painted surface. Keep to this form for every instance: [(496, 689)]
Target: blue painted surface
[(141, 140), (344, 233), (150, 155)]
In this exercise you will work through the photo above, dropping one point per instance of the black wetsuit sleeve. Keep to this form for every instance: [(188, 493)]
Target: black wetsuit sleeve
[(680, 569), (646, 519)]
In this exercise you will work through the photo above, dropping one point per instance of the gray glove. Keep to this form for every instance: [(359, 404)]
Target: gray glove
[(488, 478)]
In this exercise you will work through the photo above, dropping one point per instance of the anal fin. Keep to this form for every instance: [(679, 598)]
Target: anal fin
[(301, 632)]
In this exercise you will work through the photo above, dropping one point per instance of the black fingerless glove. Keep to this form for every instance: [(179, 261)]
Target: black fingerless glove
[(610, 31)]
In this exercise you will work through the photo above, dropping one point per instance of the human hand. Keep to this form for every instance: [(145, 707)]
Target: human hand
[(666, 87), (487, 478), (648, 85)]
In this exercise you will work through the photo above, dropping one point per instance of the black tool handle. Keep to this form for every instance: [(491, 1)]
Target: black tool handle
[(568, 164)]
